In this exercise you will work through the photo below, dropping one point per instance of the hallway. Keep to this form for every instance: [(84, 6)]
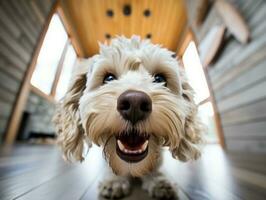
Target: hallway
[(219, 44)]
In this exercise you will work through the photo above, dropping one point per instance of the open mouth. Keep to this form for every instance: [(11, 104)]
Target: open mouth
[(132, 146)]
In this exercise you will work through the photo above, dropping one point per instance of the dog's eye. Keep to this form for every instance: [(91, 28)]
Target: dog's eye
[(159, 78), (108, 78)]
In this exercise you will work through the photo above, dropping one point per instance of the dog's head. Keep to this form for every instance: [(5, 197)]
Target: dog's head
[(131, 99)]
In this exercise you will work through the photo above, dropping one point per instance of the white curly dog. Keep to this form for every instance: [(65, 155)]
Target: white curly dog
[(132, 99)]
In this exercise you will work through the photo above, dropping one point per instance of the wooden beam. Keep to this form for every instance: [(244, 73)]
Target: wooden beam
[(234, 21), (211, 44), (24, 90), (204, 101), (70, 28), (183, 42), (186, 37), (59, 68), (217, 118)]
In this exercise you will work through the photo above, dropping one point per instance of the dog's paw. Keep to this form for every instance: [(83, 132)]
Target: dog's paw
[(163, 190), (115, 189)]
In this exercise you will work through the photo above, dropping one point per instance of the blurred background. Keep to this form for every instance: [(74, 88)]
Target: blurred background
[(221, 44)]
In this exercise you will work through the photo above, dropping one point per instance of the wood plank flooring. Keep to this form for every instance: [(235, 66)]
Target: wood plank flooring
[(36, 172)]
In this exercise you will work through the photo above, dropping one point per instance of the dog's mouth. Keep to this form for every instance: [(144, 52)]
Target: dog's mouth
[(132, 146)]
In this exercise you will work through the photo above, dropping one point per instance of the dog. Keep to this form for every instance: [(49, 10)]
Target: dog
[(132, 99)]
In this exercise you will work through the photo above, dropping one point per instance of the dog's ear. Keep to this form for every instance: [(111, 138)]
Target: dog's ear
[(70, 134), (191, 136)]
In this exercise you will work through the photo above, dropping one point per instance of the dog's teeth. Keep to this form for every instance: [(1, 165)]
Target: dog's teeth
[(140, 150), (120, 145), (144, 146)]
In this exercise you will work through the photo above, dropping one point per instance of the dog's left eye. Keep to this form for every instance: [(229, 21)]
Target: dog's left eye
[(108, 78), (159, 78)]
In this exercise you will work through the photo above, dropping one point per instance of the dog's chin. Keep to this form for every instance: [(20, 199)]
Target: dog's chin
[(132, 146)]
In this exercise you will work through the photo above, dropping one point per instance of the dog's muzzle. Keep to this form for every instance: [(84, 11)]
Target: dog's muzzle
[(134, 105)]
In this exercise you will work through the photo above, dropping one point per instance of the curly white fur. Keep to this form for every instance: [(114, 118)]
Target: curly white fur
[(88, 112)]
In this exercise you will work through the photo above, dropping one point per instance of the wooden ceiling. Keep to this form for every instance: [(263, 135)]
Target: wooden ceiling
[(90, 21)]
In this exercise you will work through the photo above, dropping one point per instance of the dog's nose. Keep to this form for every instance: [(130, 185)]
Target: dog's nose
[(134, 105)]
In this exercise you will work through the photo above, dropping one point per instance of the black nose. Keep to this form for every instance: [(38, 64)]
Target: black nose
[(134, 105)]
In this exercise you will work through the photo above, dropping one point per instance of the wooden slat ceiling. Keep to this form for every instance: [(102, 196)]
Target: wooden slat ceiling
[(91, 22)]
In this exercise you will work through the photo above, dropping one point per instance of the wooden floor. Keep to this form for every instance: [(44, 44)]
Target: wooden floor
[(37, 172)]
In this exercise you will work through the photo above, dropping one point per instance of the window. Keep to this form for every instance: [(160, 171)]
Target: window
[(68, 64), (196, 77), (206, 114), (195, 73), (55, 61)]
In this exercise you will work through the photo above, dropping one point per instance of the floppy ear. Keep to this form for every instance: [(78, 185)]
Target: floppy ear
[(71, 136), (191, 137)]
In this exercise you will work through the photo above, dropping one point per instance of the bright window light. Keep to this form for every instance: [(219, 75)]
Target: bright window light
[(195, 73), (49, 56), (206, 110), (206, 114), (66, 73)]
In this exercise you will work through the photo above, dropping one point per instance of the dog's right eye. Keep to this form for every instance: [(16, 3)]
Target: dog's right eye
[(108, 78), (159, 78)]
